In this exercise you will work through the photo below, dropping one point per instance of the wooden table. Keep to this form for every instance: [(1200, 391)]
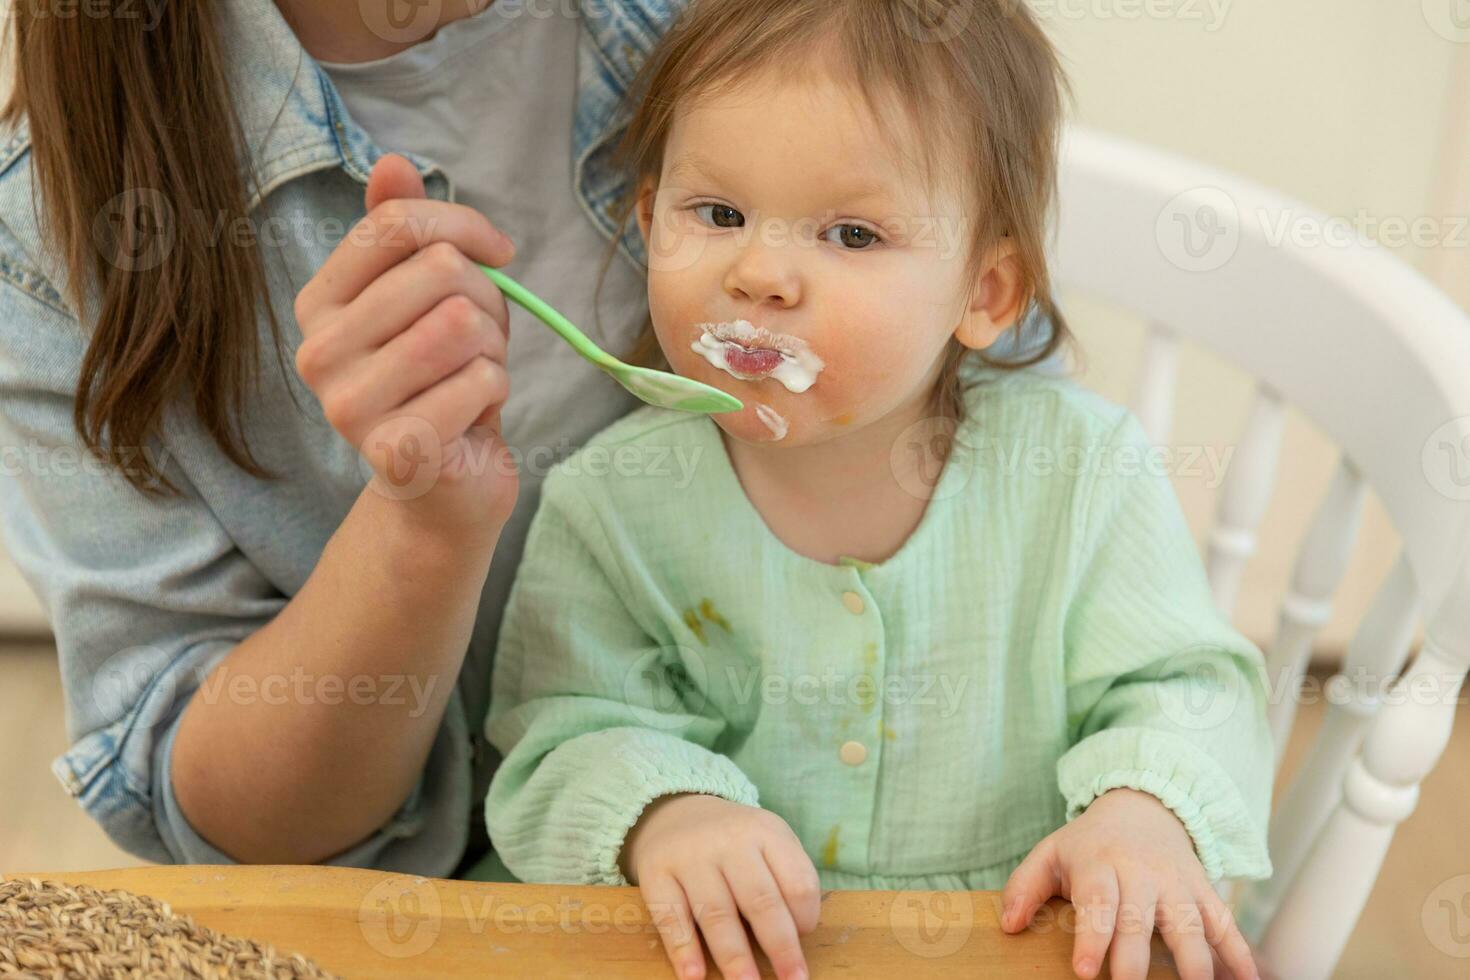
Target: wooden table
[(360, 923)]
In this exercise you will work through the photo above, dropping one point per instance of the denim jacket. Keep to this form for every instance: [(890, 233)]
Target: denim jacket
[(145, 596)]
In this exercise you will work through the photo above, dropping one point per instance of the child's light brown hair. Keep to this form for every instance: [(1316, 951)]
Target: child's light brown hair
[(979, 76)]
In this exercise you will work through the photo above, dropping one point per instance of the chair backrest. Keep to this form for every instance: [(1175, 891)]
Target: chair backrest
[(1379, 360)]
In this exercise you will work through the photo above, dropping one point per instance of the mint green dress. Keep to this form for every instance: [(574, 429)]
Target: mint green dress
[(1044, 635)]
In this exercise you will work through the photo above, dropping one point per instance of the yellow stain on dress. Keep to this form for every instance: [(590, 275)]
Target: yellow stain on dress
[(885, 732), (867, 694), (691, 620), (707, 609), (829, 849)]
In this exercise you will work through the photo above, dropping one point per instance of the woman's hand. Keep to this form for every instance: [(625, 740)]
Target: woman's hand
[(1127, 863), (404, 344), (723, 860)]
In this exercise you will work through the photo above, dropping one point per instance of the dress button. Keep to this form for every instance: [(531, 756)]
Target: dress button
[(853, 753), (853, 602)]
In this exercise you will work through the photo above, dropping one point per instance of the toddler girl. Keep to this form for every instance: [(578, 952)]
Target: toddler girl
[(909, 619)]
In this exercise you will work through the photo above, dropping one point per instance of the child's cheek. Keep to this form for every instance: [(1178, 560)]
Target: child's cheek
[(860, 367), (850, 391)]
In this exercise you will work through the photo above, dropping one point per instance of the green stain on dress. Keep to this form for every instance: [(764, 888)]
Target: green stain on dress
[(708, 611), (867, 692), (691, 620), (829, 849)]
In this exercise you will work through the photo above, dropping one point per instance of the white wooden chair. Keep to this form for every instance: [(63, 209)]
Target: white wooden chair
[(1379, 359)]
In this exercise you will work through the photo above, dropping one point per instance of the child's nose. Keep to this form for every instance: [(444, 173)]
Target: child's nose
[(765, 274)]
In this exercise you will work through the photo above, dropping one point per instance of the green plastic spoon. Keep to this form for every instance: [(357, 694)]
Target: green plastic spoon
[(655, 387)]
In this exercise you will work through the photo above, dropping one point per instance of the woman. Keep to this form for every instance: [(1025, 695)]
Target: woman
[(209, 639), (272, 590)]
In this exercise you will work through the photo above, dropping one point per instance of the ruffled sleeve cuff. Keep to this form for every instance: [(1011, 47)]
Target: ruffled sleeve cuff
[(568, 823), (1228, 838)]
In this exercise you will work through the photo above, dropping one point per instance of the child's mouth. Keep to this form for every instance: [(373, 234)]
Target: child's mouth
[(751, 353), (756, 362)]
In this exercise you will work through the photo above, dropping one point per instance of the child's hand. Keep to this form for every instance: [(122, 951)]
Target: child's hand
[(1127, 846), (723, 860)]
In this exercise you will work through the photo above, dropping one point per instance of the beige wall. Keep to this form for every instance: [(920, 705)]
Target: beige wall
[(1347, 107)]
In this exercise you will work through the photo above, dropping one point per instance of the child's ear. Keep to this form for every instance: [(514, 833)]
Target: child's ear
[(996, 300), (644, 207)]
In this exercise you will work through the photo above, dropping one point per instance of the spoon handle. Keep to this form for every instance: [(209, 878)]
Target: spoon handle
[(548, 315)]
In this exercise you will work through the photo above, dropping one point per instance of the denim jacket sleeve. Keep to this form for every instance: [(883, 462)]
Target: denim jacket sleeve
[(145, 594)]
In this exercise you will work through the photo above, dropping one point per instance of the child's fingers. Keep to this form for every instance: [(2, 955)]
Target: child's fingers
[(669, 910), (1034, 881), (798, 881), (1179, 924), (1223, 934), (720, 923), (1137, 900), (1223, 972), (1095, 894), (764, 907)]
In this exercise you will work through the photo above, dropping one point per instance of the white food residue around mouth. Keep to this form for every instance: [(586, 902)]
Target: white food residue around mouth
[(798, 367), (772, 420)]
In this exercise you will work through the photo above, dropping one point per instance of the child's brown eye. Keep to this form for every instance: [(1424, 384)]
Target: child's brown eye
[(722, 216), (856, 237)]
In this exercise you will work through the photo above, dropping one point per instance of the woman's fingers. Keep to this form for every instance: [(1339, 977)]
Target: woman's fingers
[(409, 290), (719, 922), (387, 235), (453, 404), (442, 341), (1095, 894), (389, 306), (760, 900), (669, 909), (1179, 924), (1137, 897), (1034, 880), (392, 176), (401, 306), (488, 421)]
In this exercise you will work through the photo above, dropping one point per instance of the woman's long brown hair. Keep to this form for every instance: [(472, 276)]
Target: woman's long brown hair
[(134, 143)]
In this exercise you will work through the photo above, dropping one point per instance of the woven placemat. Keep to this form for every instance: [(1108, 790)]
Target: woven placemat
[(54, 930)]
